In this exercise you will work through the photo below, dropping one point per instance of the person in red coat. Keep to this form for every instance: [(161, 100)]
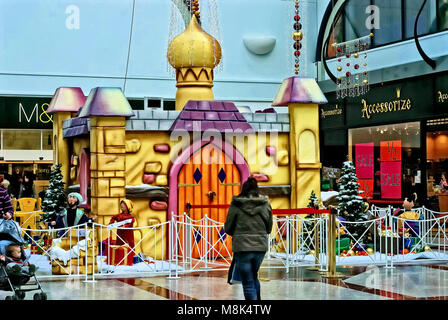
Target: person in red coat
[(124, 235)]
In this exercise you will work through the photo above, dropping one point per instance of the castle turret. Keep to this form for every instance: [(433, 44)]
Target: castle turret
[(64, 105), (302, 96), (194, 54)]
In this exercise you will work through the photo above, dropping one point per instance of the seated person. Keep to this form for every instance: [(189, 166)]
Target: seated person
[(16, 262), (71, 216), (408, 214), (443, 183)]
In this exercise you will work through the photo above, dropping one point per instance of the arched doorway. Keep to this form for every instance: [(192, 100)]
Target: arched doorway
[(207, 176)]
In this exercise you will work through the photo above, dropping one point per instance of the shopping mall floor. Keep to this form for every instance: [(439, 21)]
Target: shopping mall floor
[(416, 281)]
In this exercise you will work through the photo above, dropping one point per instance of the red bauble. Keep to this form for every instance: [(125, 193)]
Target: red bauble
[(356, 66), (348, 64), (348, 74), (297, 53), (297, 17)]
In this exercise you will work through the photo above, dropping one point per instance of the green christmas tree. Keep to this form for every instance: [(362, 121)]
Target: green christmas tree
[(351, 206), (54, 200), (314, 201)]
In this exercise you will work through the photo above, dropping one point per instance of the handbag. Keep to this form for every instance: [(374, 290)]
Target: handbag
[(233, 276)]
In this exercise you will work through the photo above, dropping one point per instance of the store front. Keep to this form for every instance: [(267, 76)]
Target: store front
[(397, 137), (26, 140)]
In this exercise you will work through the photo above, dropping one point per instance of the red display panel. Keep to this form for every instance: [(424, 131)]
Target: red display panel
[(391, 180), (390, 150), (364, 160), (366, 185)]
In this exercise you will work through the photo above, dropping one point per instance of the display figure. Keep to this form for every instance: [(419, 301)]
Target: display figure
[(121, 249), (407, 214), (71, 216), (124, 235)]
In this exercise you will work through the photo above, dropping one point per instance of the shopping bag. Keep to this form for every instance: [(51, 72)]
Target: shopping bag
[(233, 276)]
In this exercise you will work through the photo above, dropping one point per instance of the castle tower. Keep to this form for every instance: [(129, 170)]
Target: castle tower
[(64, 105), (302, 96), (194, 54), (107, 109)]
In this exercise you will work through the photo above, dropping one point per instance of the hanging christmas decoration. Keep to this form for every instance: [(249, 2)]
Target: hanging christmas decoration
[(181, 13), (351, 67), (297, 36)]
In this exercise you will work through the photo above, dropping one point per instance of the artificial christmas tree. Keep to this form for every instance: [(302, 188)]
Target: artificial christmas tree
[(55, 199), (351, 206), (314, 201)]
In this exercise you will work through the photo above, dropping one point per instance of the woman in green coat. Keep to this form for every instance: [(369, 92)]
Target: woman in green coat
[(249, 222)]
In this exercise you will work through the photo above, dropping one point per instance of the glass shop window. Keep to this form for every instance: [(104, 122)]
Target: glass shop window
[(43, 171), (21, 140), (389, 27), (47, 141), (427, 22), (355, 19), (442, 14), (137, 104), (387, 160)]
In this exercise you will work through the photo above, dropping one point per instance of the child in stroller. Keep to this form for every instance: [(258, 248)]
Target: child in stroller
[(16, 261), (15, 270)]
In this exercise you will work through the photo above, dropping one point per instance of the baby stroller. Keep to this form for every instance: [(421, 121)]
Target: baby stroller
[(10, 233)]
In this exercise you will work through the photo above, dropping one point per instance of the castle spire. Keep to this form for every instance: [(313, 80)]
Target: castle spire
[(194, 54)]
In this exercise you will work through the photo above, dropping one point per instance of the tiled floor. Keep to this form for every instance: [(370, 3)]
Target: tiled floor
[(406, 282)]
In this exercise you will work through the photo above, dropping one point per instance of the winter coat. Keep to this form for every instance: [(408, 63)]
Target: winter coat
[(123, 235), (5, 202), (61, 220), (249, 222)]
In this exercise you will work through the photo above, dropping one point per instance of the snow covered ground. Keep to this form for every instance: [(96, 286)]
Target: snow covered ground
[(44, 266)]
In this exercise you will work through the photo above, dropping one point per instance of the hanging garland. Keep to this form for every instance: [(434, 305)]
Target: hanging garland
[(352, 74), (297, 37)]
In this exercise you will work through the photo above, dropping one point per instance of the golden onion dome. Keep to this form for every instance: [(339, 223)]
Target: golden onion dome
[(194, 48)]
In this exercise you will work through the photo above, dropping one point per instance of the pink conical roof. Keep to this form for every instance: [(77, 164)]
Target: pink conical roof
[(299, 90), (67, 99), (105, 101)]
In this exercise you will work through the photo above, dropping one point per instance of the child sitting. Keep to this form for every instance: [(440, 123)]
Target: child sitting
[(16, 262)]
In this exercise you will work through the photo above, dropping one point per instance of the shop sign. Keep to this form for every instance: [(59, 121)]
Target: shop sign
[(26, 113), (408, 100), (442, 96), (332, 111), (398, 104)]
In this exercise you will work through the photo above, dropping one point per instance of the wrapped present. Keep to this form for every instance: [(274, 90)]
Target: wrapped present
[(35, 249), (115, 255)]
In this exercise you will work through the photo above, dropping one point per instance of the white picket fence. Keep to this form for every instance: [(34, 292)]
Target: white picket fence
[(185, 245)]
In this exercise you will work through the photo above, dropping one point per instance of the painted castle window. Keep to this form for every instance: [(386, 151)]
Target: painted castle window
[(307, 147)]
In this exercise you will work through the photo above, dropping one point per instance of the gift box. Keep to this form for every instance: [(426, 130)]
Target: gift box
[(115, 255)]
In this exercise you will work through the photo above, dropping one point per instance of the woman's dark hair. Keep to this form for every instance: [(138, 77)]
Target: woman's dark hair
[(250, 188)]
